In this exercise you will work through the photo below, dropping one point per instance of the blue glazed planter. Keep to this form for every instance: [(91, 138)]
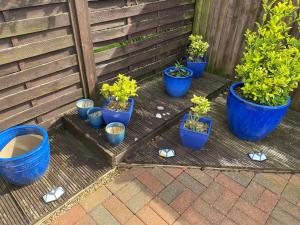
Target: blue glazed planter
[(197, 67), (110, 116), (191, 139), (177, 86), (250, 121), (28, 167), (96, 121), (82, 109), (115, 133)]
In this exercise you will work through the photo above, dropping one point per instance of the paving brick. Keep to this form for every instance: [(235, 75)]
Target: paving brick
[(285, 176), (253, 192), (151, 182), (194, 218), (103, 217), (283, 217), (240, 217), (120, 182), (72, 216), (134, 221), (291, 193), (118, 209), (191, 183), (181, 221), (183, 201), (255, 213), (272, 221), (175, 172), (149, 217), (163, 210), (209, 212), (273, 182), (136, 171), (267, 201), (289, 208), (230, 184), (86, 220), (130, 190), (212, 193), (139, 200), (242, 177), (226, 201), (295, 179), (95, 198), (200, 176), (227, 221), (212, 173), (171, 191), (162, 176)]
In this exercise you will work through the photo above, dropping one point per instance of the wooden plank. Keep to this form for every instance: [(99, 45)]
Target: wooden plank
[(83, 21), (27, 26), (129, 11), (40, 109), (197, 18), (14, 4), (40, 90), (118, 32), (35, 49), (37, 72)]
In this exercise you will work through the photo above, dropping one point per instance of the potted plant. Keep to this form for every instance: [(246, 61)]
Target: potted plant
[(270, 70), (115, 133), (177, 80), (119, 103), (95, 117), (83, 105), (194, 128), (196, 52)]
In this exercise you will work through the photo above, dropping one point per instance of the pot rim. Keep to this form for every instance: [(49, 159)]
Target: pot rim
[(166, 72), (203, 58), (237, 84), (84, 99), (115, 124), (130, 100), (41, 131), (97, 109)]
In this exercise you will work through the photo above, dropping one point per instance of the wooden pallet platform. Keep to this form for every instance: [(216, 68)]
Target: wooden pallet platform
[(224, 150), (144, 125), (72, 166)]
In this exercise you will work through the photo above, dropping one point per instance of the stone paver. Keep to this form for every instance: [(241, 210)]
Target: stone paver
[(190, 197)]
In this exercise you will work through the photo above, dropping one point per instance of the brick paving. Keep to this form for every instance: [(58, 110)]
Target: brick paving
[(162, 196)]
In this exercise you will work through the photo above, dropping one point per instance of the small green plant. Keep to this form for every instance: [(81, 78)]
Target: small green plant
[(179, 70), (197, 48), (120, 92), (270, 67), (201, 106)]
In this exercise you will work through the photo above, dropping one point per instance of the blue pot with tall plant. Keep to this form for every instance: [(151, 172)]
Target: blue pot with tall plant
[(269, 70), (119, 103), (195, 128), (196, 60)]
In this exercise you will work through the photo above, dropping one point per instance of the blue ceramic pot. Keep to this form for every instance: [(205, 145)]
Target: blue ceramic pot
[(115, 133), (177, 86), (28, 167), (83, 105), (95, 120), (197, 67), (111, 116), (250, 121), (191, 139)]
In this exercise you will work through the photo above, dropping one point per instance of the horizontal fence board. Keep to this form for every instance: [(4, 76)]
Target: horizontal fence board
[(35, 49), (37, 72), (117, 13), (38, 110), (14, 4), (32, 93)]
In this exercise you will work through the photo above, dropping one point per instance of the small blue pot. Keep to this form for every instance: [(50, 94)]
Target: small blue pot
[(30, 166), (82, 111), (197, 67), (177, 86), (110, 116), (95, 121), (250, 121), (191, 139), (115, 139)]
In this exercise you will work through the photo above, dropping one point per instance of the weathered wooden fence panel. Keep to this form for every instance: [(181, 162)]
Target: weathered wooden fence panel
[(223, 25)]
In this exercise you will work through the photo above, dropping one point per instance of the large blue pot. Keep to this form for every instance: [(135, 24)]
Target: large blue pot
[(82, 111), (191, 139), (111, 116), (250, 121), (95, 121), (177, 86), (115, 138), (197, 67), (30, 166)]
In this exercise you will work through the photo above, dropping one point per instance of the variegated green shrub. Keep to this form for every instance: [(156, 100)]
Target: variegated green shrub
[(197, 48)]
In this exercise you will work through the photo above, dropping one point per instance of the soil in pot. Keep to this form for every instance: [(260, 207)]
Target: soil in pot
[(197, 126), (85, 104), (115, 106), (114, 130), (95, 114)]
